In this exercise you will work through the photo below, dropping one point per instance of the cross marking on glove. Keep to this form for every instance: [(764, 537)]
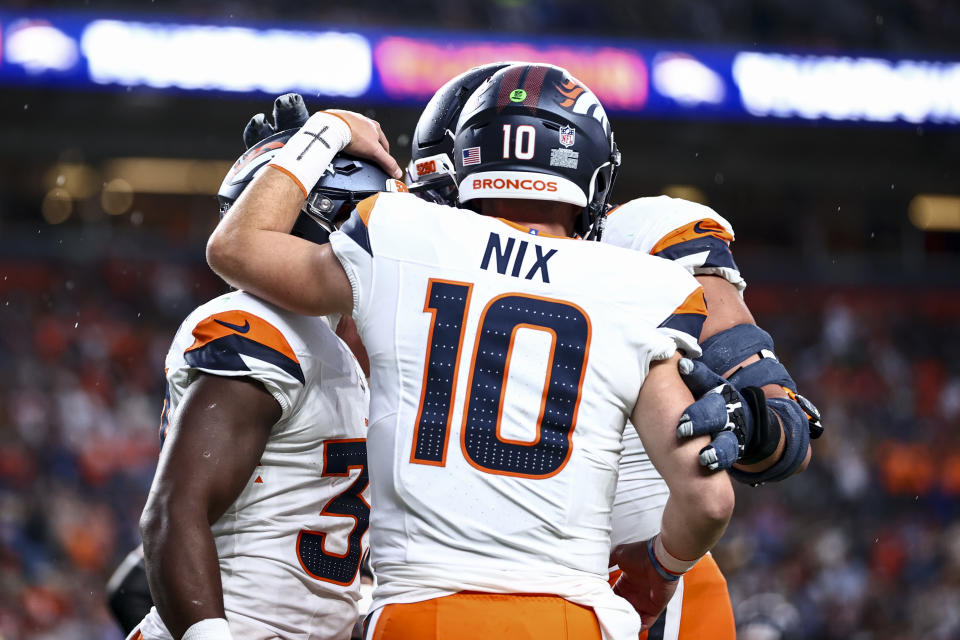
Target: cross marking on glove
[(316, 136)]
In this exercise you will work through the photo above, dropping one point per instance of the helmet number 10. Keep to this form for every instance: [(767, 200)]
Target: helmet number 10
[(524, 144)]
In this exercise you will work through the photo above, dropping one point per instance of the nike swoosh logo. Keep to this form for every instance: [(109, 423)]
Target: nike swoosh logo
[(698, 229), (236, 327)]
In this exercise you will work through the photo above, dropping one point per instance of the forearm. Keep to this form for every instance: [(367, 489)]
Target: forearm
[(780, 441), (252, 248), (691, 527), (746, 358), (182, 568), (700, 502)]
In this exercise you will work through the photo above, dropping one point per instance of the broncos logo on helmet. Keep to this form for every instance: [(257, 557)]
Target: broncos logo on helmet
[(581, 100)]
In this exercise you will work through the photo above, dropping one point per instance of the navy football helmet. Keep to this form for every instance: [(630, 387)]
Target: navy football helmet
[(431, 173), (347, 181), (533, 131)]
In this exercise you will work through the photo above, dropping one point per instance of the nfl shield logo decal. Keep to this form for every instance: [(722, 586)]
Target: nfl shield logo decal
[(567, 136)]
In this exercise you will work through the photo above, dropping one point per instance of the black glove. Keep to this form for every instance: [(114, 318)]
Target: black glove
[(743, 428), (289, 112)]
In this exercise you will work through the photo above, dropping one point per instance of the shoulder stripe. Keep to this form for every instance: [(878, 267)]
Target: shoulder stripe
[(690, 315), (243, 323), (712, 251), (220, 339), (365, 208), (224, 354), (696, 302), (356, 229), (697, 229)]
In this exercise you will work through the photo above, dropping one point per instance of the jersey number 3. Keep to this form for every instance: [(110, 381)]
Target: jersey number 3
[(339, 458), (483, 445)]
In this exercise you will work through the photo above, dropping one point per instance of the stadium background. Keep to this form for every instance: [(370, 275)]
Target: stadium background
[(845, 232)]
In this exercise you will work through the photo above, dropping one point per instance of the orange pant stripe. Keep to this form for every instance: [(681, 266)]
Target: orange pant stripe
[(481, 616), (706, 612)]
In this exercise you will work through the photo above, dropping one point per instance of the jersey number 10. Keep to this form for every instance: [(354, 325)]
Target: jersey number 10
[(481, 441)]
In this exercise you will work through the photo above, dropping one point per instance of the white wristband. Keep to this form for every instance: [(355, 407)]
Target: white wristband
[(669, 562), (308, 153), (208, 629)]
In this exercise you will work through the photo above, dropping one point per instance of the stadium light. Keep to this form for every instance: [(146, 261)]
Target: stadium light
[(225, 58), (846, 88), (57, 205), (178, 176), (935, 212)]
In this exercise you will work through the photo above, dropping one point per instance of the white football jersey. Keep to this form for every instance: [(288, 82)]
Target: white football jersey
[(693, 235), (504, 365), (698, 239), (291, 544)]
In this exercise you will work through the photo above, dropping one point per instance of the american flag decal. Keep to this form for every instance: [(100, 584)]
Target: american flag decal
[(471, 156)]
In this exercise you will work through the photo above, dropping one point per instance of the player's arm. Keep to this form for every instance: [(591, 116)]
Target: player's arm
[(700, 503), (212, 448), (728, 310), (772, 438), (251, 247), (777, 426)]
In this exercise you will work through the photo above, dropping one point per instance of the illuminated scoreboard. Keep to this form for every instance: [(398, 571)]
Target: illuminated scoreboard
[(639, 78)]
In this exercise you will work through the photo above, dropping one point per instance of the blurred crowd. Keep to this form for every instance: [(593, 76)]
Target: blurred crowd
[(866, 543), (904, 25), (863, 545), (81, 386)]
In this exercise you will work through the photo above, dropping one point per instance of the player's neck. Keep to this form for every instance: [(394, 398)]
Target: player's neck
[(553, 218)]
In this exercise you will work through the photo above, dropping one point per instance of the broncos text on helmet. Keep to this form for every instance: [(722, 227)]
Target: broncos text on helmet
[(533, 131), (347, 181)]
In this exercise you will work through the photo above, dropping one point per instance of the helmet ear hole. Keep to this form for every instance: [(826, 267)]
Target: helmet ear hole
[(601, 182)]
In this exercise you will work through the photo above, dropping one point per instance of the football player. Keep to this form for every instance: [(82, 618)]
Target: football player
[(698, 239), (256, 524), (498, 333)]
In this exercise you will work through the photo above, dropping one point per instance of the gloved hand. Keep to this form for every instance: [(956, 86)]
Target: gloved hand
[(640, 584), (740, 422), (289, 112)]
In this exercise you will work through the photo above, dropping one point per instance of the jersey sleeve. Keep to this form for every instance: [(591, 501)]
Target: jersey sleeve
[(237, 342), (687, 233), (351, 244), (684, 325)]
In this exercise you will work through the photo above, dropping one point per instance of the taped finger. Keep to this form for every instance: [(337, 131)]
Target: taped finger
[(704, 417), (699, 378), (721, 453)]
